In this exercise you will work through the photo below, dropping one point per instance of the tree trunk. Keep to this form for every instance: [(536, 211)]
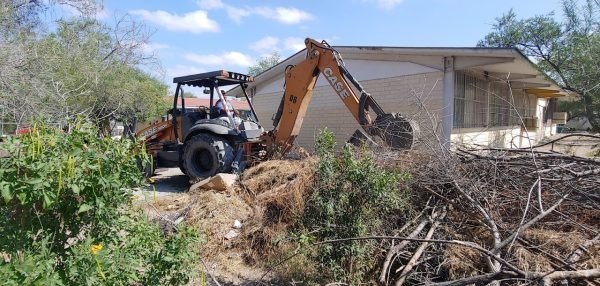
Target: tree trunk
[(588, 102)]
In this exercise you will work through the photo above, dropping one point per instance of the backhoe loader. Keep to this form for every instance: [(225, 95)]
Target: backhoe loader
[(202, 143)]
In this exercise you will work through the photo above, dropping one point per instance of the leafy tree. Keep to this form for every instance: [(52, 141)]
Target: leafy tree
[(264, 63), (68, 216), (81, 67), (567, 50)]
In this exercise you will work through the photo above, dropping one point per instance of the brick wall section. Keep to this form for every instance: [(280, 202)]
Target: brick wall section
[(397, 94)]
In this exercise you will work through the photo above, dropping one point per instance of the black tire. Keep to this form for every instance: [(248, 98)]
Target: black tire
[(204, 155), (181, 163)]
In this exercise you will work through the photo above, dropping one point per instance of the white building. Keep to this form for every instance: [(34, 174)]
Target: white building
[(484, 96)]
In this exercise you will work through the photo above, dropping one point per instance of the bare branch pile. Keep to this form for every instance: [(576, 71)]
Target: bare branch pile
[(500, 214)]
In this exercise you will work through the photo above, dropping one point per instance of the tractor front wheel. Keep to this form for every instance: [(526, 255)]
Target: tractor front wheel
[(205, 155)]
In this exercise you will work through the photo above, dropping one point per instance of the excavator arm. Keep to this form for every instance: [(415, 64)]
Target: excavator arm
[(300, 80)]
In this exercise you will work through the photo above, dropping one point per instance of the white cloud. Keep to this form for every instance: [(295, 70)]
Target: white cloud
[(294, 44), (210, 4), (269, 44), (388, 4), (194, 22), (266, 44), (237, 14), (231, 58), (284, 15)]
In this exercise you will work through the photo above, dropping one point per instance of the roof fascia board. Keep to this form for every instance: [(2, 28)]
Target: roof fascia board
[(522, 85), (434, 62), (472, 62), (497, 76)]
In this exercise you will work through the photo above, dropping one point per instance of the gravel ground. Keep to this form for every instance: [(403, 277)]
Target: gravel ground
[(167, 182), (578, 146)]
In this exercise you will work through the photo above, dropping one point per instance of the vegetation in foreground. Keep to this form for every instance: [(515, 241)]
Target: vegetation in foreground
[(342, 195), (68, 218)]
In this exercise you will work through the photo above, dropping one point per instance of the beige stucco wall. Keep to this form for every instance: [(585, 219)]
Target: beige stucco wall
[(503, 137), (405, 94)]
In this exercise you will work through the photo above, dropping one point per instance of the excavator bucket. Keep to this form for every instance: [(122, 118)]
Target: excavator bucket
[(396, 131), (390, 130)]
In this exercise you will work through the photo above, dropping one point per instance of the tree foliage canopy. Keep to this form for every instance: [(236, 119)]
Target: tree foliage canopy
[(264, 63), (81, 67), (567, 49)]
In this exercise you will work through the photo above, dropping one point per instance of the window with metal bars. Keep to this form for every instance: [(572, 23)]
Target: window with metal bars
[(524, 106), (482, 103), (470, 101), (500, 104)]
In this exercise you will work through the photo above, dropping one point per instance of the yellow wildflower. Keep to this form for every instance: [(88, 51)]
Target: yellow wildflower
[(96, 248)]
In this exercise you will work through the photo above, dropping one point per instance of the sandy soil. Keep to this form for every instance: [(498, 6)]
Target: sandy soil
[(576, 145), (214, 213)]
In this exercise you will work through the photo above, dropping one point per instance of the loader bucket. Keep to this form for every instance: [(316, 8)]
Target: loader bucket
[(396, 131)]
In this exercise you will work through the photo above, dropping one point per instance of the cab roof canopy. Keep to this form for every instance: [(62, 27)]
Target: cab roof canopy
[(214, 78)]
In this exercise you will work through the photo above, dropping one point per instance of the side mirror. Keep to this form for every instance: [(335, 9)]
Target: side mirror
[(206, 91)]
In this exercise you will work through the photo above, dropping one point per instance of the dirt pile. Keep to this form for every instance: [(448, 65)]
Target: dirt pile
[(280, 186), (213, 213), (266, 200), (277, 190)]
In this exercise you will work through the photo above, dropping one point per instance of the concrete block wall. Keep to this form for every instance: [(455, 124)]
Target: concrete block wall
[(405, 94)]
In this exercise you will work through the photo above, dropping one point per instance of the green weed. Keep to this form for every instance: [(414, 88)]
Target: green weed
[(68, 218)]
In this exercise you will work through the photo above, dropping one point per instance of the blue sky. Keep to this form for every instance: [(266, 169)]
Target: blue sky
[(192, 36)]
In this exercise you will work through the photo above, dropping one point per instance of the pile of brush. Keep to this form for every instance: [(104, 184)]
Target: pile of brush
[(490, 215), (277, 191)]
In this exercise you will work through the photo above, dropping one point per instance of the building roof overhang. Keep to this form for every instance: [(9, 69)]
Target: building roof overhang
[(497, 64)]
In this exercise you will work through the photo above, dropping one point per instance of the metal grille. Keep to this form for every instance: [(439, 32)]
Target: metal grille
[(500, 105), (524, 106), (470, 101)]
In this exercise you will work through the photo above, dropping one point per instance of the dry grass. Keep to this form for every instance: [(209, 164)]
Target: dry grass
[(557, 243), (277, 191), (212, 213), (462, 261), (531, 261), (267, 200), (279, 186), (562, 244)]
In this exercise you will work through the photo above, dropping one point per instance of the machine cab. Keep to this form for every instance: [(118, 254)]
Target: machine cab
[(215, 119)]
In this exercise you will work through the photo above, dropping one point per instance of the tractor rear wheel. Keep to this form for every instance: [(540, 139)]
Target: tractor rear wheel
[(204, 155)]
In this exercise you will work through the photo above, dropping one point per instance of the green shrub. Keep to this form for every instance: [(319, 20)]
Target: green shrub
[(134, 251), (63, 184), (68, 218), (351, 197), (33, 266)]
